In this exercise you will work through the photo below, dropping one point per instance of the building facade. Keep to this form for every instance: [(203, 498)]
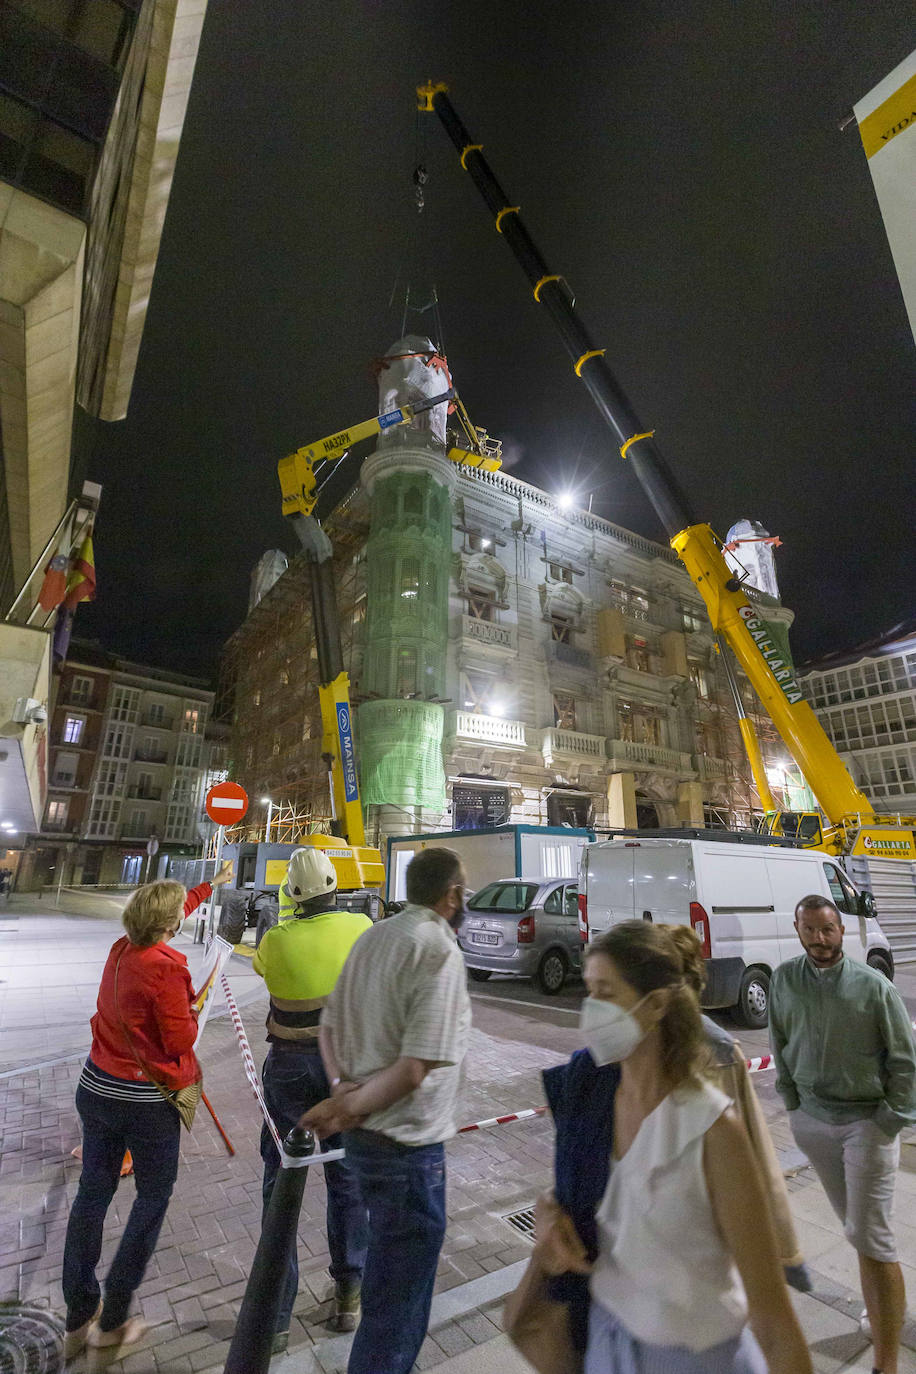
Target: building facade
[(511, 661), (866, 701), (128, 764), (92, 106)]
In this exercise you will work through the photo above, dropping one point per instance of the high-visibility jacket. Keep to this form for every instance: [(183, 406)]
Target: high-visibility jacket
[(287, 905), (300, 961)]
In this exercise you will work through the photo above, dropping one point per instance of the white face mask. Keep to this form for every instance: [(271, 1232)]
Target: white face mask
[(611, 1033)]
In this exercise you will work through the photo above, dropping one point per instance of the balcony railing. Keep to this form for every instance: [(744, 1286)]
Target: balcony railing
[(570, 655), (493, 730), (710, 769), (627, 753), (151, 794), (151, 756), (154, 722), (489, 633), (572, 743)]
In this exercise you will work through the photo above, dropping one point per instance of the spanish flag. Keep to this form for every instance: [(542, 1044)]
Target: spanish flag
[(81, 579)]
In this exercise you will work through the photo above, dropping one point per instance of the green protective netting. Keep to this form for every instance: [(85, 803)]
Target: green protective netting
[(407, 571), (401, 753)]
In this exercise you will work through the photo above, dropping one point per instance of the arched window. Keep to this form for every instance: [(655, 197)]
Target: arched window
[(410, 578)]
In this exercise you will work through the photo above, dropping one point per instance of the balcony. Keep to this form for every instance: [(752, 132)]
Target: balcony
[(492, 730), (151, 756), (150, 794), (625, 754), (503, 638), (570, 655), (572, 744), (129, 832), (153, 722), (710, 769)]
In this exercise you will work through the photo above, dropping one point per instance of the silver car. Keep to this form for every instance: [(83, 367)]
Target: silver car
[(524, 926)]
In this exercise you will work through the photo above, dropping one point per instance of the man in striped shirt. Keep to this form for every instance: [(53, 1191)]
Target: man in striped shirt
[(394, 1033)]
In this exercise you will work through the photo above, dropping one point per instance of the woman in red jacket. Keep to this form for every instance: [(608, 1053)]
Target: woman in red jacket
[(143, 1034)]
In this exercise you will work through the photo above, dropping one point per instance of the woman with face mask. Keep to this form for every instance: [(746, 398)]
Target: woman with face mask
[(680, 1254)]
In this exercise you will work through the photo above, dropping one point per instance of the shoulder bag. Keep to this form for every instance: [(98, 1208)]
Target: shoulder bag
[(539, 1327), (184, 1100)]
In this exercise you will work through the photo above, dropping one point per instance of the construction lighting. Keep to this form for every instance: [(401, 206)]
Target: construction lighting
[(485, 543), (566, 500), (266, 801)]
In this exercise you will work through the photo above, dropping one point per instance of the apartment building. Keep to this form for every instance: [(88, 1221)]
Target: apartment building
[(866, 701), (128, 764)]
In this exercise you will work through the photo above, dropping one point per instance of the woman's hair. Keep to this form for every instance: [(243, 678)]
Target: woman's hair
[(152, 910), (648, 957), (690, 948)]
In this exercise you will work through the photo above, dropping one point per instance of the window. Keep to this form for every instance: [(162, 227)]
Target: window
[(561, 573), (413, 501), (561, 627), (191, 719), (639, 724), (693, 620), (638, 654), (564, 711), (410, 578), (512, 897), (56, 818), (841, 890), (633, 601), (137, 823), (125, 703), (81, 691), (481, 604), (553, 902), (156, 713), (407, 673), (65, 766), (697, 675), (73, 729), (478, 807), (481, 692)]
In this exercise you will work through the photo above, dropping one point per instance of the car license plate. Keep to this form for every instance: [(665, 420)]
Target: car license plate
[(484, 939)]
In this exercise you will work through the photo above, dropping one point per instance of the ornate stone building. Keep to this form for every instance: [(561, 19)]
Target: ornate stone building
[(512, 660)]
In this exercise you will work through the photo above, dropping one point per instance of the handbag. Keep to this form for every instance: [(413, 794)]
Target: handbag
[(539, 1327), (185, 1100)]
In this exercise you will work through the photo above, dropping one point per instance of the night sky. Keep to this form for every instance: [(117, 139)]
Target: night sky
[(679, 163)]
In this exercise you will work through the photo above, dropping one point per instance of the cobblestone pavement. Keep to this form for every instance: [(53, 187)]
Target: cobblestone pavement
[(195, 1281)]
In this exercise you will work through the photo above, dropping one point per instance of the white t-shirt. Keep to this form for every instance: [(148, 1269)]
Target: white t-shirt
[(663, 1268), (403, 993)]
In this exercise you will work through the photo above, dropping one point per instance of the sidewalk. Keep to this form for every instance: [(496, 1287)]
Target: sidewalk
[(51, 963)]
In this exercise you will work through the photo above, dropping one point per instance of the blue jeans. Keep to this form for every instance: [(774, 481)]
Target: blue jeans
[(151, 1132), (295, 1080), (404, 1188)]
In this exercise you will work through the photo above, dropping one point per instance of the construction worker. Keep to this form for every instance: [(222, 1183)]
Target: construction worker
[(300, 961)]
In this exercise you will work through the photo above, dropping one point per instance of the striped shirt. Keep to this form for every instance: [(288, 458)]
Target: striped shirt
[(403, 994), (96, 1080)]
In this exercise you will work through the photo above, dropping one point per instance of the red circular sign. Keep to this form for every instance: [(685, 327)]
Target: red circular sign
[(226, 803)]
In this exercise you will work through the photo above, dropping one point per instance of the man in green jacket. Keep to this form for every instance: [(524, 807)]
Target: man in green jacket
[(846, 1070)]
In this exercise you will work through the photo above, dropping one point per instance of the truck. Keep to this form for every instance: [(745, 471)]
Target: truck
[(500, 851)]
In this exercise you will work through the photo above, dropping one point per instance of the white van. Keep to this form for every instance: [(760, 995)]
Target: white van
[(739, 897)]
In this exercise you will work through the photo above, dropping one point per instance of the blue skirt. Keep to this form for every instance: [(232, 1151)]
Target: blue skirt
[(613, 1350)]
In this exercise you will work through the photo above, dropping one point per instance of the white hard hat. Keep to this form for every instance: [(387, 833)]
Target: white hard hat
[(310, 874)]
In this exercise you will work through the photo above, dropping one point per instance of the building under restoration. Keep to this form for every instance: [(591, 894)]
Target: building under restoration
[(511, 660)]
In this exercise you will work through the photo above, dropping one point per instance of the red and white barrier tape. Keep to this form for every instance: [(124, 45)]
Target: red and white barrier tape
[(251, 1072), (502, 1120), (765, 1061)]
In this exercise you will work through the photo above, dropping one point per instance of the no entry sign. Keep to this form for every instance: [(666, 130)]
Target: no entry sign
[(226, 803)]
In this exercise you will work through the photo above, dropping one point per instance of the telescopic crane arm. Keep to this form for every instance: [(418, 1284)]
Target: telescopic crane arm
[(732, 614)]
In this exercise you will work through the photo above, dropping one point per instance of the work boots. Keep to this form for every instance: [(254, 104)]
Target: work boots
[(346, 1306)]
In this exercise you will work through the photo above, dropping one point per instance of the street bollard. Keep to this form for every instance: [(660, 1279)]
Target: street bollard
[(250, 1350)]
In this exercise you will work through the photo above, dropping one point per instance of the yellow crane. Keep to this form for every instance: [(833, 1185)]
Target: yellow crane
[(852, 824)]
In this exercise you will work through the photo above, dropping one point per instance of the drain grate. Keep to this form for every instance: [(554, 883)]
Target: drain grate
[(522, 1221)]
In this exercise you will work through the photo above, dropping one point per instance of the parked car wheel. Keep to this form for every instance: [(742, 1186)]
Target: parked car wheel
[(552, 971), (752, 1008), (479, 975), (881, 964)]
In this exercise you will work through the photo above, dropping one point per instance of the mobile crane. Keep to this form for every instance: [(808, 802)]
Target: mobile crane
[(853, 826), (357, 865)]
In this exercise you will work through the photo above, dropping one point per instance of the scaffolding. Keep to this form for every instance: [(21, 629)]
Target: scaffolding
[(268, 687)]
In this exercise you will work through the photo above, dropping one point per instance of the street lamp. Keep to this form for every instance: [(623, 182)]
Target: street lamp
[(267, 801)]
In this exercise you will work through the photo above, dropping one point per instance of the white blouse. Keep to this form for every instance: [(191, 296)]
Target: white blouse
[(663, 1268)]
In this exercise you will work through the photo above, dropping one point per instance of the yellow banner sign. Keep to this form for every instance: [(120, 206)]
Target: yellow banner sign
[(885, 843), (892, 117)]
